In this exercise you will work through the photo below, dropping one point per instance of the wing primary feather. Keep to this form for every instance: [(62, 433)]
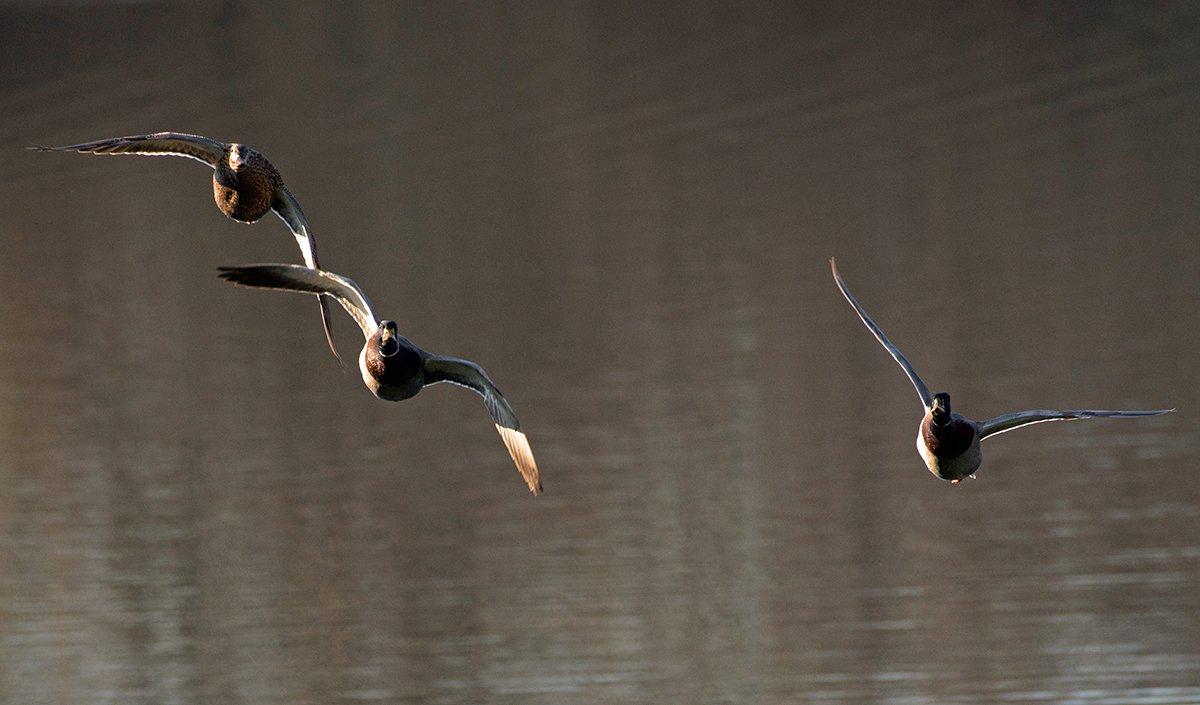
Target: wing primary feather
[(1015, 420), (522, 455), (922, 390), (173, 144)]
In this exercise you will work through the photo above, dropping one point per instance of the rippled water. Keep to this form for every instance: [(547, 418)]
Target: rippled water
[(625, 212)]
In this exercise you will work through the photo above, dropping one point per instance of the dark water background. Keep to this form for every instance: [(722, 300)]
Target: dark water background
[(624, 211)]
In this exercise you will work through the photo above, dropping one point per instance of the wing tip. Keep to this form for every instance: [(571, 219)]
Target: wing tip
[(837, 277), (522, 455), (1139, 413), (238, 272), (327, 324), (255, 276), (230, 274)]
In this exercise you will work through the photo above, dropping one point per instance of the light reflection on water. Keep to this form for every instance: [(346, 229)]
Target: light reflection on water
[(625, 214)]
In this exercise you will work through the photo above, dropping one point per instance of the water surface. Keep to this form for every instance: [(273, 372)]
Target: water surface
[(625, 213)]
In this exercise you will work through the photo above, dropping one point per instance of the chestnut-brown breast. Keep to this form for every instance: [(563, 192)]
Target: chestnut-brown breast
[(949, 441), (399, 376), (248, 193)]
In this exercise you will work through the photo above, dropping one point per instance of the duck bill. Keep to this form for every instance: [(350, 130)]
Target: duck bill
[(388, 344)]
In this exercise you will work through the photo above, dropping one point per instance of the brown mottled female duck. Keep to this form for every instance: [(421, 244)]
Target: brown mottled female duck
[(392, 367), (245, 185), (949, 442)]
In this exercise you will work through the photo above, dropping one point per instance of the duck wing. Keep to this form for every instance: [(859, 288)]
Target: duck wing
[(1008, 422), (465, 373), (287, 208), (169, 144), (293, 277), (922, 390)]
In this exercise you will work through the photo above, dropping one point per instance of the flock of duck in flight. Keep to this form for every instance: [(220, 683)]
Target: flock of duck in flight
[(246, 186)]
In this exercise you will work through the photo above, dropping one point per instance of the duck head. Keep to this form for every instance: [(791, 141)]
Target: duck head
[(239, 156), (940, 409), (389, 341)]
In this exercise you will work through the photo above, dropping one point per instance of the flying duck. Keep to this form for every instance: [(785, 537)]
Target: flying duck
[(392, 367), (245, 185), (949, 442)]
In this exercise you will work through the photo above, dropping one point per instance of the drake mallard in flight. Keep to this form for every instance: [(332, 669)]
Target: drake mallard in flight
[(949, 442), (392, 367)]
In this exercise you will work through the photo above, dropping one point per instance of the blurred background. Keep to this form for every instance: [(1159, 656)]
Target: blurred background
[(625, 212)]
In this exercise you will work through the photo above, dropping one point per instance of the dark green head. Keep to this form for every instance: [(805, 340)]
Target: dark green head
[(940, 408), (389, 341)]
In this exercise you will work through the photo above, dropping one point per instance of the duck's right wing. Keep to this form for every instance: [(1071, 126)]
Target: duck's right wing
[(171, 144), (287, 208), (293, 277), (1008, 422), (922, 390)]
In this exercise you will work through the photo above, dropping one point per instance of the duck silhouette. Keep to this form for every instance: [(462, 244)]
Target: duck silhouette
[(392, 367), (246, 185), (949, 442)]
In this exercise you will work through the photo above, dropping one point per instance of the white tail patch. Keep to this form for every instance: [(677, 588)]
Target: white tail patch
[(522, 455)]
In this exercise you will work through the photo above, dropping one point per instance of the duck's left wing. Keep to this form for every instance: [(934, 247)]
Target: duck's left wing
[(167, 144), (922, 390), (287, 208), (465, 373), (1008, 422)]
